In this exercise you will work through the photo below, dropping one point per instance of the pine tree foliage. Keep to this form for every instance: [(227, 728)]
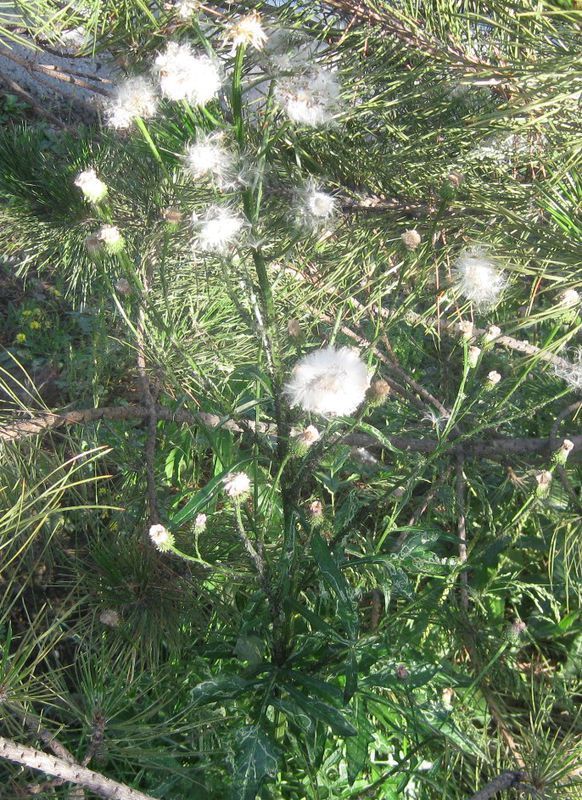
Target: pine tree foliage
[(388, 605)]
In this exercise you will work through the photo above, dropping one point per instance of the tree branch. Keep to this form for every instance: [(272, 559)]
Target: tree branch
[(73, 773)]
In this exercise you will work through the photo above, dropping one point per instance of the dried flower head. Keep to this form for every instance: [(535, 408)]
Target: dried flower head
[(561, 455), (208, 157), (183, 75), (477, 278), (185, 9), (173, 216), (329, 381), (378, 392), (218, 229), (161, 538), (493, 378), (109, 617), (411, 239), (135, 97), (473, 356), (93, 188), (311, 98), (465, 328), (107, 239), (247, 31), (294, 328), (544, 481), (237, 485), (307, 436), (315, 508), (493, 332)]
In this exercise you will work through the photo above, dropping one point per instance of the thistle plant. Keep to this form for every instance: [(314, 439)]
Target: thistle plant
[(301, 519)]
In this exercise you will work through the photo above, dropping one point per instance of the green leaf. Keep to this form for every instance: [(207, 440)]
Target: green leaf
[(256, 760), (329, 570), (323, 712), (221, 688), (357, 746), (201, 498)]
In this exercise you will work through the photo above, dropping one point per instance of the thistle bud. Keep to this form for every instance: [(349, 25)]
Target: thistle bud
[(110, 239), (516, 630), (237, 485), (493, 332), (561, 455), (172, 216), (378, 392), (465, 328), (401, 672), (302, 440), (411, 239), (569, 298), (473, 356), (200, 523), (493, 379), (455, 179), (544, 481), (161, 538), (315, 509)]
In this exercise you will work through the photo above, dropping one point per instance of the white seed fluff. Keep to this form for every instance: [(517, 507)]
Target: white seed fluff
[(93, 188), (314, 207), (477, 278), (135, 97), (571, 371), (200, 523), (236, 484), (218, 229), (208, 157), (569, 298), (186, 8), (161, 538), (311, 98), (248, 30), (329, 381), (183, 75)]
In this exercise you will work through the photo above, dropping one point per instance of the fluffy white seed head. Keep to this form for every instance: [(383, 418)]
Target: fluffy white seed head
[(111, 238), (93, 188), (493, 378), (135, 97), (247, 31), (209, 157), (161, 538), (477, 278), (183, 75), (473, 356), (185, 9), (218, 229), (314, 207), (329, 381), (493, 332), (311, 98), (465, 328), (237, 484), (569, 298)]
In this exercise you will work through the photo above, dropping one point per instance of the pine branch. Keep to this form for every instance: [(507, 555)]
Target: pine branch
[(504, 781), (67, 771)]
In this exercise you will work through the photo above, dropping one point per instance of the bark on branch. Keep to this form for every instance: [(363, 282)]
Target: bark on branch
[(64, 770)]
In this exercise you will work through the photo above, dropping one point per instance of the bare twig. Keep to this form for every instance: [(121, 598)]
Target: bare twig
[(42, 112), (504, 781), (482, 448), (73, 773)]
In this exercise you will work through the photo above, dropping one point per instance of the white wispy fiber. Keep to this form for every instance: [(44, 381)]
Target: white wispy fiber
[(135, 97), (236, 484), (314, 207), (218, 229), (477, 279), (571, 371), (209, 157), (248, 30), (329, 381), (183, 75), (93, 188), (569, 298), (311, 98)]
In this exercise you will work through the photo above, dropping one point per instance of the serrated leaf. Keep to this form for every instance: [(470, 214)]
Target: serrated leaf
[(201, 498), (323, 712), (330, 571), (256, 760), (357, 746)]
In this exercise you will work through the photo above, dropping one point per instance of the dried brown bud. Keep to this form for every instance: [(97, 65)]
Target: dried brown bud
[(172, 215), (455, 179), (294, 328), (378, 391), (123, 286), (402, 673)]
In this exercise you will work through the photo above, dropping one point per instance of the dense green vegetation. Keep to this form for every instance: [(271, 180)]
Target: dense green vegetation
[(201, 594)]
